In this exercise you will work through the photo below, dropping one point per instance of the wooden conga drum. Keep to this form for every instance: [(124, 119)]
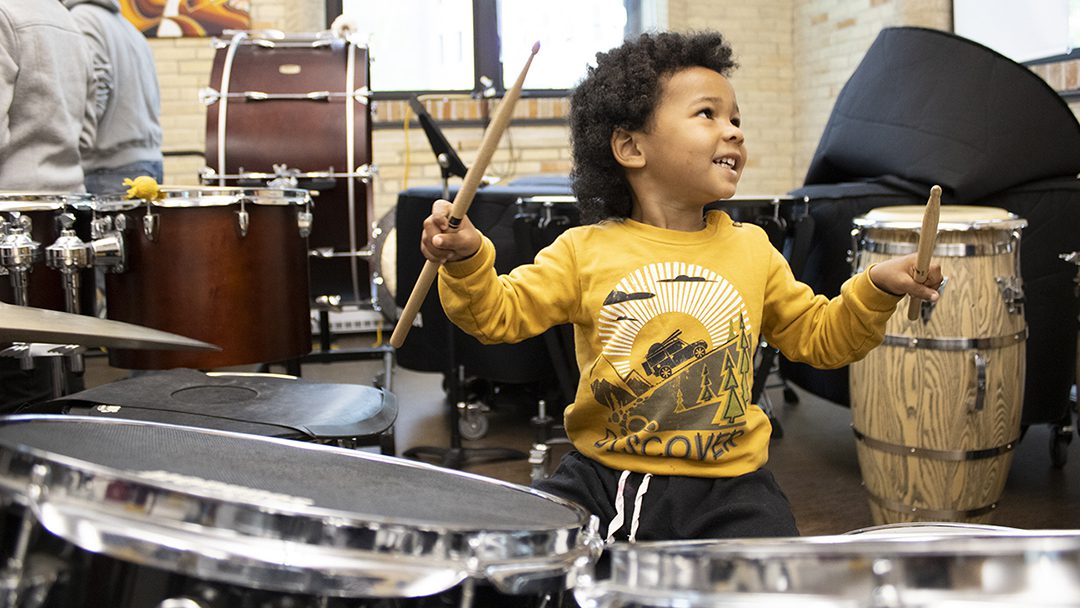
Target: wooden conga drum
[(297, 108), (224, 265), (936, 408)]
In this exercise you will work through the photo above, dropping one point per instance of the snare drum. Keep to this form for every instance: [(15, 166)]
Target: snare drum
[(30, 223), (927, 569), (144, 514), (224, 265), (936, 409), (296, 108)]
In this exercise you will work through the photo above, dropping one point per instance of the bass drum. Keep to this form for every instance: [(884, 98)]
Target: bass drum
[(128, 514), (295, 111)]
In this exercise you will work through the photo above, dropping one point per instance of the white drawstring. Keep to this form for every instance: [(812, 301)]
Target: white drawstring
[(620, 514), (644, 487), (617, 521)]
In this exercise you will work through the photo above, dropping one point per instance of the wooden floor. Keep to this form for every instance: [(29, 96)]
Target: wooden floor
[(814, 461)]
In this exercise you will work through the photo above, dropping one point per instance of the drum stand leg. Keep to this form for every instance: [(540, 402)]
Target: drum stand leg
[(456, 456)]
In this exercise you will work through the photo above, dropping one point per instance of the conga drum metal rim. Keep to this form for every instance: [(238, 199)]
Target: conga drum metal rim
[(85, 480), (991, 567), (951, 218)]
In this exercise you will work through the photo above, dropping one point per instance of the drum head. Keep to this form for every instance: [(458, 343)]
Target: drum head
[(281, 515), (951, 217), (26, 202), (207, 196)]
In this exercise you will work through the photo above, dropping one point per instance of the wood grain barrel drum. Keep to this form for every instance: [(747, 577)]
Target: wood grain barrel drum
[(936, 408), (227, 266), (294, 111)]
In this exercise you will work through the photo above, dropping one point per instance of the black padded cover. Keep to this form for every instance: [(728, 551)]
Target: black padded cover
[(260, 405), (931, 107), (427, 346)]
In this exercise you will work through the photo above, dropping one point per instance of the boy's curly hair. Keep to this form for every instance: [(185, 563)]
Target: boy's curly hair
[(621, 92)]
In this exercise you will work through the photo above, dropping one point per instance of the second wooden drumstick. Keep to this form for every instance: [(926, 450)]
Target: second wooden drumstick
[(462, 200), (927, 240)]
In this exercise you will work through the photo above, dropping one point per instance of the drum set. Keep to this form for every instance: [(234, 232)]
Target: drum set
[(114, 505)]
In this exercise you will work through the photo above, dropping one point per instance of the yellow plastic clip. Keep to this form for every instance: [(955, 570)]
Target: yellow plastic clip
[(144, 187)]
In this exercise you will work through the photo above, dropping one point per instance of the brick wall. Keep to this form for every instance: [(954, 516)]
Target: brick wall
[(831, 37), (795, 56)]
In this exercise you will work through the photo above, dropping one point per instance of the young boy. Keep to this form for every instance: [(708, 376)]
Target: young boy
[(668, 304)]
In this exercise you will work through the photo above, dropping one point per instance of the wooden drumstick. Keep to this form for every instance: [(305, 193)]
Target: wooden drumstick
[(463, 199), (927, 240)]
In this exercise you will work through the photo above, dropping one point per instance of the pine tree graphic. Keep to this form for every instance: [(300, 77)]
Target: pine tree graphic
[(733, 404), (744, 352), (707, 392)]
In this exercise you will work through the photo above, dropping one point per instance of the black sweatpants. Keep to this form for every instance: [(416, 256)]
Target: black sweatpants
[(675, 507)]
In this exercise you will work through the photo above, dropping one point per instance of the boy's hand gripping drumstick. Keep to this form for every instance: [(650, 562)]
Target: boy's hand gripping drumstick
[(927, 239), (463, 200)]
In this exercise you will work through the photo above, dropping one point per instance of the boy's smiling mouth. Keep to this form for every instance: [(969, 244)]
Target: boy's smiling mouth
[(727, 161)]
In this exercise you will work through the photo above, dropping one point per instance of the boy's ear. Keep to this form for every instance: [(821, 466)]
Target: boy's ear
[(626, 150)]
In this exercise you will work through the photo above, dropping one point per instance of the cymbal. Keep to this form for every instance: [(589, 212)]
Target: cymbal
[(26, 324)]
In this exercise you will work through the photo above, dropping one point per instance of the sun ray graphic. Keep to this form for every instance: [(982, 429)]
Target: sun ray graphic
[(664, 288)]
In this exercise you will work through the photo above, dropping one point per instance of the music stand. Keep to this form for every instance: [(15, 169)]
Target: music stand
[(450, 163), (455, 456)]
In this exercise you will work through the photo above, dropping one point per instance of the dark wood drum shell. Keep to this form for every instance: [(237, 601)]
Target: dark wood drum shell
[(308, 135), (199, 278)]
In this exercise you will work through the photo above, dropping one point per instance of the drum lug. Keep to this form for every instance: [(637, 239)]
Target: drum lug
[(853, 256), (208, 96), (366, 172), (18, 254), (304, 220), (68, 255), (243, 221), (108, 251), (980, 383), (927, 309), (151, 225), (1012, 293)]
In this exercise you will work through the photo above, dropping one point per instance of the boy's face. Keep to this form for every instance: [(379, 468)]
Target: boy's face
[(693, 148)]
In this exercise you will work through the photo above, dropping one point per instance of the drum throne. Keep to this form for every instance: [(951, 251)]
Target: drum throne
[(926, 107)]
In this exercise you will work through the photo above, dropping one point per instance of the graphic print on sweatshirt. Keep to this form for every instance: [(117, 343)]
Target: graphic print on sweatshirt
[(676, 369)]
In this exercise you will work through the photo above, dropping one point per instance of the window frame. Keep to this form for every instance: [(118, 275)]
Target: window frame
[(486, 61)]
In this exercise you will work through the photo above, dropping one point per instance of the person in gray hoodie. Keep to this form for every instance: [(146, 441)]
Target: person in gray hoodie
[(45, 83), (45, 80), (126, 100)]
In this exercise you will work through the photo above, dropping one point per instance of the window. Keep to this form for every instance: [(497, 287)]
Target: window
[(480, 45), (1024, 31)]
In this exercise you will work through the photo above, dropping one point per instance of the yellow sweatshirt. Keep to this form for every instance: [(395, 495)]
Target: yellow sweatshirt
[(666, 324)]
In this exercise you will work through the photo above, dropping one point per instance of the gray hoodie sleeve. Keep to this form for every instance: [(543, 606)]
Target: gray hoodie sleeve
[(9, 68)]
